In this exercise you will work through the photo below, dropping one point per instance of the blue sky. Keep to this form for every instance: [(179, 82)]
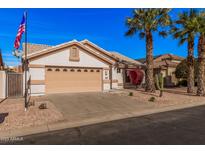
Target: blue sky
[(104, 27)]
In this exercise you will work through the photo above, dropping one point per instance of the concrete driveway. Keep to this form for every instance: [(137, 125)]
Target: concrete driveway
[(84, 106)]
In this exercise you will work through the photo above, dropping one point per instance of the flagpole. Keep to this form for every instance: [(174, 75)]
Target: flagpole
[(26, 63)]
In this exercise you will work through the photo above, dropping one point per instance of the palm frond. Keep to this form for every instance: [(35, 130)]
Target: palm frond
[(182, 41), (163, 34), (130, 32), (141, 35)]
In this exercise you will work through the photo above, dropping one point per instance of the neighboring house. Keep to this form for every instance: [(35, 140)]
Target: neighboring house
[(166, 64), (1, 62), (76, 66)]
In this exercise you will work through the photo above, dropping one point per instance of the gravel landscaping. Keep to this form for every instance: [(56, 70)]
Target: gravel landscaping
[(13, 116), (171, 96)]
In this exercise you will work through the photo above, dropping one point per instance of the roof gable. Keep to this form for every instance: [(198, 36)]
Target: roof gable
[(112, 55), (97, 48), (57, 48), (125, 58)]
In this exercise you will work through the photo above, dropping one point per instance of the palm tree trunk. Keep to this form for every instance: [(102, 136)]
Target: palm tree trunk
[(201, 62), (190, 62), (149, 76)]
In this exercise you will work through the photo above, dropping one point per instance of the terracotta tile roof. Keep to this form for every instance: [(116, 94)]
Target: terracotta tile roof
[(165, 64), (161, 57), (143, 60), (168, 56), (122, 57), (35, 47)]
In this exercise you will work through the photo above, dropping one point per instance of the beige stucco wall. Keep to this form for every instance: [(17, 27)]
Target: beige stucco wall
[(171, 70), (2, 84), (61, 58), (164, 72), (37, 73), (106, 75), (118, 77), (37, 90), (170, 75)]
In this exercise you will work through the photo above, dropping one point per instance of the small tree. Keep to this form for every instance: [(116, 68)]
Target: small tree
[(182, 69)]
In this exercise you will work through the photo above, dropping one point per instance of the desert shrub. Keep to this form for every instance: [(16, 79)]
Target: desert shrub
[(43, 106), (152, 99), (130, 93)]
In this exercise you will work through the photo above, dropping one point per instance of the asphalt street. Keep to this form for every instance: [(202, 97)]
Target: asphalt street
[(186, 126)]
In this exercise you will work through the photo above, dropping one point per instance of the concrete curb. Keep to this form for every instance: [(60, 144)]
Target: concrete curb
[(66, 124)]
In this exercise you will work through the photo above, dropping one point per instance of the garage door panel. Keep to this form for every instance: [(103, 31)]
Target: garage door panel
[(61, 82)]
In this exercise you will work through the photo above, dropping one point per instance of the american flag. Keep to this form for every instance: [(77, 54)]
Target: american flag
[(21, 30)]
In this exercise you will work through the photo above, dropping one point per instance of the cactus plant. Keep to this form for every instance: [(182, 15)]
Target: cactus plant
[(159, 83)]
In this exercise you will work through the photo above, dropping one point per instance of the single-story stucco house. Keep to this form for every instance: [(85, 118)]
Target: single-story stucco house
[(76, 66)]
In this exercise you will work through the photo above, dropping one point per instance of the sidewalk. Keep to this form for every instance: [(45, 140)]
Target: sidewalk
[(93, 120)]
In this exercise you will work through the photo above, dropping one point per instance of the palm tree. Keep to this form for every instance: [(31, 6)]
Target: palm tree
[(185, 29), (201, 54), (145, 22)]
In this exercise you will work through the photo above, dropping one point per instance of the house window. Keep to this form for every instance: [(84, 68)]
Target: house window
[(74, 54), (118, 70), (85, 70), (78, 70), (97, 70), (91, 70), (49, 69), (57, 70), (72, 70)]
